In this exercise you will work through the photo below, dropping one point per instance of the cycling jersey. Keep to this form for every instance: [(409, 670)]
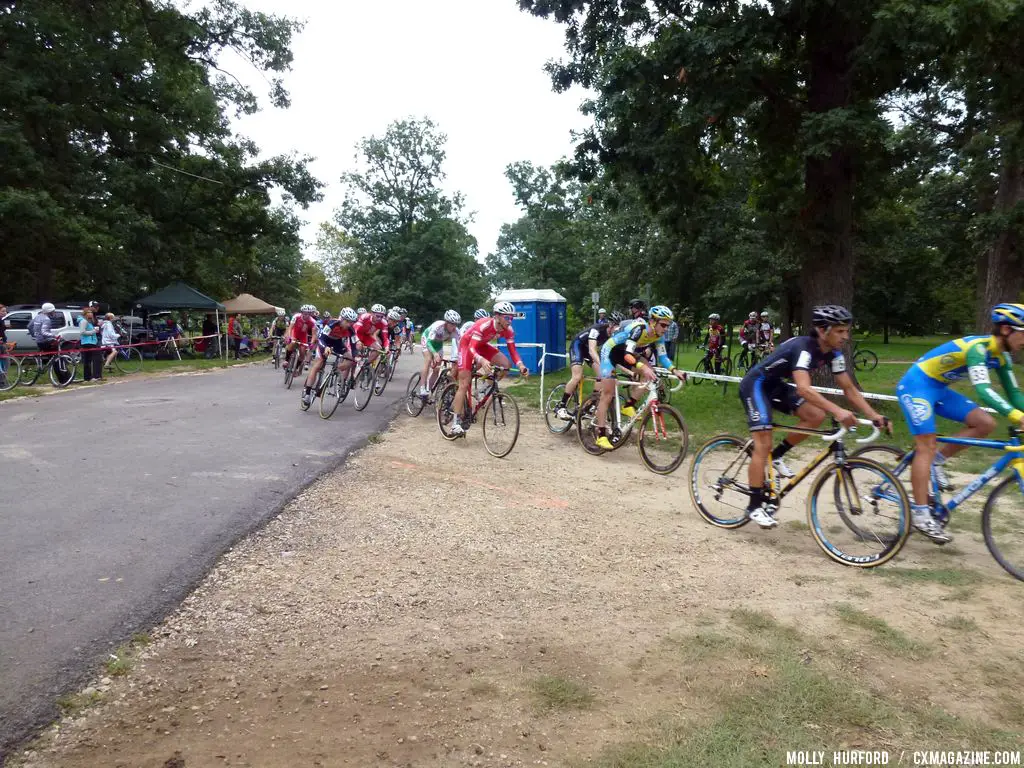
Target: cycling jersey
[(924, 391), (765, 387), (367, 329), (434, 337), (765, 333), (631, 336), (749, 331), (579, 351), (302, 328), (474, 342), (280, 326), (334, 337), (715, 335)]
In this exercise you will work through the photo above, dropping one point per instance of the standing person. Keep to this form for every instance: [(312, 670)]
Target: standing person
[(3, 343), (235, 333), (89, 341), (110, 337), (670, 337)]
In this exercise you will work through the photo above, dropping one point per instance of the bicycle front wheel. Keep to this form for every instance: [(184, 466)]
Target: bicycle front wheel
[(865, 521), (11, 374), (1002, 523), (445, 414), (700, 367), (585, 429), (501, 425), (718, 481), (62, 371), (414, 403), (330, 396), (663, 439), (380, 378), (31, 370), (889, 456), (364, 387), (556, 425), (128, 360)]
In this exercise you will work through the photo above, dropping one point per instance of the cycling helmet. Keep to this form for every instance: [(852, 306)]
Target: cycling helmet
[(280, 313), (765, 313), (451, 316), (403, 311), (480, 314), (504, 308), (660, 312), (637, 304), (828, 315), (348, 314), (1009, 314), (617, 317), (752, 316), (307, 309), (714, 316), (602, 311), (378, 309), (47, 307), (396, 308), (361, 310), (393, 315), (327, 315)]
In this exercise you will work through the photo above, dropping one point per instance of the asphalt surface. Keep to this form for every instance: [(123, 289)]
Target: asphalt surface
[(118, 499)]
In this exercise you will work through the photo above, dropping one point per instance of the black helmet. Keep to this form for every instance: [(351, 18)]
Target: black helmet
[(617, 317), (637, 304), (831, 314)]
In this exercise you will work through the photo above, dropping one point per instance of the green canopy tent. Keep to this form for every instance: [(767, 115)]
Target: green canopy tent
[(178, 295)]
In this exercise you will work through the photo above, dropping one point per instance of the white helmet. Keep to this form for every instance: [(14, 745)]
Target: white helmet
[(752, 315), (451, 316), (47, 307), (348, 314), (307, 308), (504, 308), (280, 313), (361, 310), (765, 313), (714, 316), (396, 308), (481, 313), (378, 309), (602, 311), (393, 315)]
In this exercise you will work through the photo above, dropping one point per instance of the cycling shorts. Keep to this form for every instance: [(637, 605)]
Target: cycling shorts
[(759, 396), (613, 357), (468, 353), (579, 352), (922, 398), (337, 346)]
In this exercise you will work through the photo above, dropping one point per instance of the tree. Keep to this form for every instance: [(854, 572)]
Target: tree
[(397, 238)]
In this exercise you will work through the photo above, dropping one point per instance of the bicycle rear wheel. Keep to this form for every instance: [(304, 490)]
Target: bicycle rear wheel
[(585, 429), (62, 371), (31, 370), (663, 439), (289, 370), (555, 424), (10, 376), (414, 403), (865, 360), (872, 508), (1002, 523), (501, 425), (718, 481), (128, 360), (363, 387), (330, 396)]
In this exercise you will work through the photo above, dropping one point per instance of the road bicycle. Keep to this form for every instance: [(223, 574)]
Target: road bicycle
[(368, 379), (662, 438), (707, 364), (864, 359), (414, 401), (275, 354), (332, 387), (60, 366), (296, 364), (748, 357), (394, 353), (126, 359), (554, 401), (10, 367), (857, 511), (500, 414), (1002, 517)]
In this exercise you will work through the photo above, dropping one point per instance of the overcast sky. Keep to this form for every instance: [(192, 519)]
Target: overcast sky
[(475, 67)]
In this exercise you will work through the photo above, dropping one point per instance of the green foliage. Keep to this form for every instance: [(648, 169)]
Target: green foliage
[(120, 171), (397, 238)]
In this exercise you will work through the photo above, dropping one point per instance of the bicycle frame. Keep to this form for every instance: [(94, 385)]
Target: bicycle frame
[(1012, 448)]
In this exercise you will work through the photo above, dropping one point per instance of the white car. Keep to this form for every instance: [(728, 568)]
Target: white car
[(65, 325)]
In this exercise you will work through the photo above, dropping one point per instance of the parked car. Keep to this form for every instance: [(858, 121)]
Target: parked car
[(65, 325)]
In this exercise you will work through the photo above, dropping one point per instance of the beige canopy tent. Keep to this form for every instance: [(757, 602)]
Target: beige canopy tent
[(247, 304)]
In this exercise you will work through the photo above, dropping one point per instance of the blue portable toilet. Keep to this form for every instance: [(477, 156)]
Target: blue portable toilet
[(539, 319)]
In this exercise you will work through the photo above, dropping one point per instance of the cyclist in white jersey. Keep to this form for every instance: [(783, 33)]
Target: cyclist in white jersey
[(432, 341)]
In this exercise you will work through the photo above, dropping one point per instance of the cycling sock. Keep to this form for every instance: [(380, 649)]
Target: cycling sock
[(781, 449), (756, 499), (565, 399), (308, 390)]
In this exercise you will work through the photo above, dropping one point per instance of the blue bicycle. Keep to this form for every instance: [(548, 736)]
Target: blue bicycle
[(1002, 519)]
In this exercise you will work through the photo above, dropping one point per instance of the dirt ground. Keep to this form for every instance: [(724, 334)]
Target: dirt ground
[(422, 606)]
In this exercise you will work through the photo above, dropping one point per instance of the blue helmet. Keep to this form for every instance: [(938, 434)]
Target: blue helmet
[(660, 312), (1009, 314)]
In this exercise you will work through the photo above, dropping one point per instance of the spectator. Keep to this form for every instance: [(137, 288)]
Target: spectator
[(670, 338), (110, 338), (235, 334), (88, 340), (41, 329), (173, 330), (3, 344)]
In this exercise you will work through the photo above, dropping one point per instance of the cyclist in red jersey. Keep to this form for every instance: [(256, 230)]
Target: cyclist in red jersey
[(335, 336), (302, 330), (474, 348), (371, 331)]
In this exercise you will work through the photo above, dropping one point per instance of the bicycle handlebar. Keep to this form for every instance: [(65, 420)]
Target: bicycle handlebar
[(875, 432), (665, 372)]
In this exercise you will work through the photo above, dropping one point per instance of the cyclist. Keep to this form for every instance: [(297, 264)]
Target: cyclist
[(637, 308), (478, 315), (586, 348), (765, 387), (924, 392), (336, 337), (475, 349), (766, 334), (624, 348), (371, 331), (302, 330), (394, 330), (713, 339), (749, 332), (432, 341), (40, 329)]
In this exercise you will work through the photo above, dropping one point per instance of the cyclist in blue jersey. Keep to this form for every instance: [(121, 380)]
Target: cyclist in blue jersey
[(924, 392), (586, 348), (765, 387)]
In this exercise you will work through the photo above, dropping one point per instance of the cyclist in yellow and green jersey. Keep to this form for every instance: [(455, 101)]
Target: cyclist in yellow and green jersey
[(924, 393)]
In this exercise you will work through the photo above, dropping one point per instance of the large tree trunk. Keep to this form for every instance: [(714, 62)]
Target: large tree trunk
[(1001, 268)]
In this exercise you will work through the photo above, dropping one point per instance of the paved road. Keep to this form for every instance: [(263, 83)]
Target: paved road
[(118, 499)]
